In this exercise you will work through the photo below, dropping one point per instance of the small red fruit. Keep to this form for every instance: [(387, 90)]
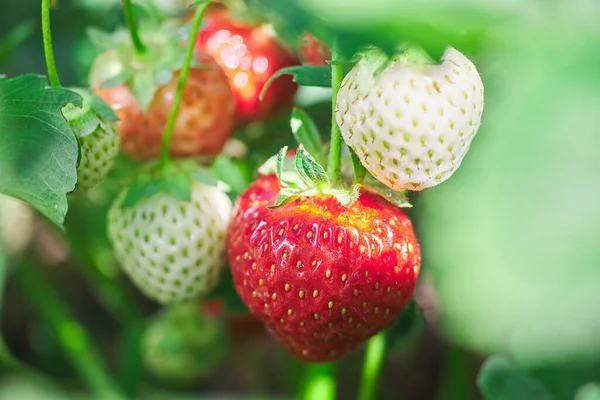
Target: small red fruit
[(249, 54), (205, 120), (314, 52), (323, 277)]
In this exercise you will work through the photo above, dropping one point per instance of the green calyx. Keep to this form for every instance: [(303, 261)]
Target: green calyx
[(93, 113), (302, 176), (374, 62), (142, 72), (173, 178)]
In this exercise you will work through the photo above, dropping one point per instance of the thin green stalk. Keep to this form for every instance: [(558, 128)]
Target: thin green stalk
[(183, 75), (48, 51), (359, 170), (319, 382), (335, 145), (70, 333), (372, 367), (140, 48)]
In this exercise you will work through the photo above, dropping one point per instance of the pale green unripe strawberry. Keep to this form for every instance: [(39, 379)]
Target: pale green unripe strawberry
[(173, 250), (95, 126), (183, 343), (412, 125)]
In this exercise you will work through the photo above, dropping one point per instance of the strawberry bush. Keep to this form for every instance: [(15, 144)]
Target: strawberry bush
[(315, 199)]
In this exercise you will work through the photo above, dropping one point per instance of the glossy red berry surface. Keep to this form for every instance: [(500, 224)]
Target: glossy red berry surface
[(323, 277), (249, 55)]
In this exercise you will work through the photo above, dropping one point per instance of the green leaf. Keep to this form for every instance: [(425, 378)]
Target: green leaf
[(143, 187), (17, 35), (179, 186), (204, 175), (102, 109), (116, 80), (235, 173), (319, 76), (311, 172), (306, 133), (38, 150), (500, 380)]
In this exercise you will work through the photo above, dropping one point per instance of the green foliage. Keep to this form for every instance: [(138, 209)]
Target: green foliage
[(38, 151), (304, 76)]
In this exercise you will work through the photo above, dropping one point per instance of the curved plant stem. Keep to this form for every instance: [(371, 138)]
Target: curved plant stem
[(319, 382), (140, 48), (335, 146), (372, 367), (48, 51), (72, 336), (183, 75)]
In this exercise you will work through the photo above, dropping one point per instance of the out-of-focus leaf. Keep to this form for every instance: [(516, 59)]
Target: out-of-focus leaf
[(14, 38), (38, 150), (590, 391), (500, 380)]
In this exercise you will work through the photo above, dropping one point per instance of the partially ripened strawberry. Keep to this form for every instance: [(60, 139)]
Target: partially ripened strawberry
[(141, 89), (313, 51), (95, 126), (173, 250), (412, 125), (322, 276), (249, 54)]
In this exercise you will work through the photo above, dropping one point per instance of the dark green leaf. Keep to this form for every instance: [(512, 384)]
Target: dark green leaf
[(306, 133), (303, 75), (500, 380), (311, 172), (143, 187), (179, 186), (38, 150), (17, 35), (102, 109)]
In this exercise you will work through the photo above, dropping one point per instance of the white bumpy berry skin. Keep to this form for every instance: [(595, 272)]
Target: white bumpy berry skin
[(413, 128), (98, 153), (172, 250)]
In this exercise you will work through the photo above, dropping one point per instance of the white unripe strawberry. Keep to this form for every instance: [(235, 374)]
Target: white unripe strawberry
[(173, 250), (412, 125)]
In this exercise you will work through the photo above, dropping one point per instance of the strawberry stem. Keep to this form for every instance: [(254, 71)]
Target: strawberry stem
[(374, 356), (319, 382), (70, 333), (183, 75), (48, 51), (335, 145), (140, 48)]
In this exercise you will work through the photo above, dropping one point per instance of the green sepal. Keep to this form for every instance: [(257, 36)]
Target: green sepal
[(102, 109), (235, 173), (84, 120), (306, 132), (143, 187), (311, 172), (116, 80), (179, 186), (279, 166), (398, 199), (372, 63), (345, 196), (143, 86), (319, 76)]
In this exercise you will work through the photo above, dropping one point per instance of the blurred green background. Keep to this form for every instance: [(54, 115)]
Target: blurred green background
[(511, 244)]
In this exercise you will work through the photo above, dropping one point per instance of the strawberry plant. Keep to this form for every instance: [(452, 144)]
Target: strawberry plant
[(314, 199)]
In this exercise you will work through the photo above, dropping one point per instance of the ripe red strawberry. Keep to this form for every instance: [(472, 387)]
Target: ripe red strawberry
[(249, 54), (322, 276), (313, 51)]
